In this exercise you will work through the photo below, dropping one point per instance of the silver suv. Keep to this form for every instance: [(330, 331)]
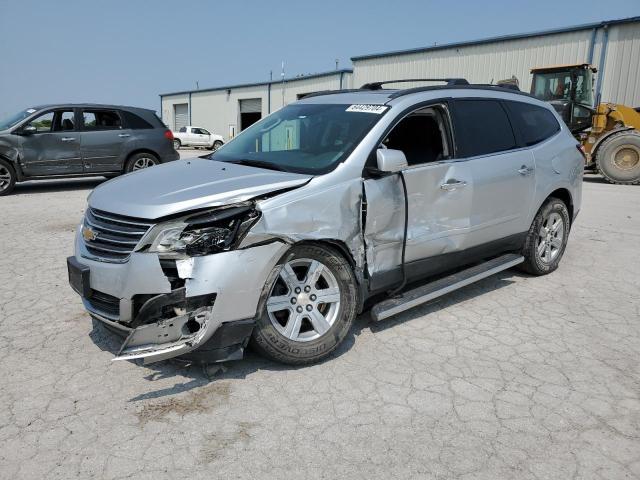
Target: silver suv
[(71, 140), (282, 235)]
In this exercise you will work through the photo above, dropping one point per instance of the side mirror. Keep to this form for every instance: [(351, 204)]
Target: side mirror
[(28, 130), (391, 161)]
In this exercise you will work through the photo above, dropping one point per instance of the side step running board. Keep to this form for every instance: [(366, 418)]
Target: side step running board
[(442, 286)]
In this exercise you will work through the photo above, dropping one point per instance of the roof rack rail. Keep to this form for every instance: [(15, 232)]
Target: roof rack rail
[(448, 81), (508, 86), (409, 91), (328, 92)]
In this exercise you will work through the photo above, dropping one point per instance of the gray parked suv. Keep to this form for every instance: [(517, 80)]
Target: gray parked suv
[(282, 235), (80, 140)]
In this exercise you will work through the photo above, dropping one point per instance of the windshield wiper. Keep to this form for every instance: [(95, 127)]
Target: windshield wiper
[(259, 164)]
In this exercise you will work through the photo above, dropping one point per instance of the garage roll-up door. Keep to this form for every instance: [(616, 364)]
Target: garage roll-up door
[(251, 105), (181, 115)]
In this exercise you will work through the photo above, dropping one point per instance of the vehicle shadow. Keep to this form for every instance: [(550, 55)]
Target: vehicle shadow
[(49, 186), (199, 374)]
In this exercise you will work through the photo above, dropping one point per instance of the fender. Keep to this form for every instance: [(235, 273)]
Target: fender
[(602, 138), (11, 154)]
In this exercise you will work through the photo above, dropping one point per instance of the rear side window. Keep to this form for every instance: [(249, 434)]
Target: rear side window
[(183, 130), (482, 127), (101, 120), (135, 122), (535, 124)]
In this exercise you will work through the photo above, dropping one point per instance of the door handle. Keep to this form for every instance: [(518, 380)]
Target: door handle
[(524, 170), (67, 139), (453, 185), (124, 135)]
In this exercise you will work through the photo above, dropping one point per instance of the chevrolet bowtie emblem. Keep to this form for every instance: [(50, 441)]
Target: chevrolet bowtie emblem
[(88, 234)]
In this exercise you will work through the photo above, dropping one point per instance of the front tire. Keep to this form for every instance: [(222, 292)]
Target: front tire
[(7, 178), (140, 161), (547, 238), (618, 158), (309, 308), (216, 145)]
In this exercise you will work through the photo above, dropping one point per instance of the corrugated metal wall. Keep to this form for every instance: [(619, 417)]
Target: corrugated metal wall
[(484, 63), (218, 110), (621, 81)]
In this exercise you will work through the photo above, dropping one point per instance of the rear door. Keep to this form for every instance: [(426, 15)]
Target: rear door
[(503, 172), (104, 140), (55, 147)]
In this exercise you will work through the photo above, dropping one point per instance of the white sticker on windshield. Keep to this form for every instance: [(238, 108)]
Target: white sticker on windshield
[(377, 109), (31, 110)]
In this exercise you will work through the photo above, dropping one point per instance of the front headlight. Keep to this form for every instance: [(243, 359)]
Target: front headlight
[(203, 233)]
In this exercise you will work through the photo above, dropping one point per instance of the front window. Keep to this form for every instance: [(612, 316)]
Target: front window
[(54, 121), (302, 138), (13, 120)]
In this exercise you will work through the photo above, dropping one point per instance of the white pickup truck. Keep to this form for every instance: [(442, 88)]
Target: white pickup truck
[(196, 137)]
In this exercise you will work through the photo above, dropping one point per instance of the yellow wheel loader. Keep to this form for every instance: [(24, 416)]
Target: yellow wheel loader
[(608, 132)]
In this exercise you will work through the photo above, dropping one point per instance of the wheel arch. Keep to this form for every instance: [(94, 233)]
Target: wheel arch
[(564, 195), (10, 155), (140, 150), (342, 248)]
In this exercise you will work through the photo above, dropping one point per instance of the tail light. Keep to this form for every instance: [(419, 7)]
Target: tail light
[(582, 152), (168, 134)]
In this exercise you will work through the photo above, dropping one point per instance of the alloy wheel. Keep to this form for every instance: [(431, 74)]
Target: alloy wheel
[(143, 162), (304, 302), (550, 238), (5, 178)]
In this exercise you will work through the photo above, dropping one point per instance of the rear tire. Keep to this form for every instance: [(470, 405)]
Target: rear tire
[(140, 161), (618, 158), (309, 306), (7, 178), (547, 238), (176, 144)]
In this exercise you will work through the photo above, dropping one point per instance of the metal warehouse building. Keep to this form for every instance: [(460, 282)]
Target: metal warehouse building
[(613, 47)]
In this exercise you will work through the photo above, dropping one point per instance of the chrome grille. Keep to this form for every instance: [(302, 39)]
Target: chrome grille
[(115, 236)]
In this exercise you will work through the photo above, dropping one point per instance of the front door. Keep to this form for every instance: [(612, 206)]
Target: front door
[(440, 192), (104, 141), (199, 137), (54, 149)]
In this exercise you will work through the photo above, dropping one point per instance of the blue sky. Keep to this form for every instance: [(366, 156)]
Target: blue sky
[(128, 51)]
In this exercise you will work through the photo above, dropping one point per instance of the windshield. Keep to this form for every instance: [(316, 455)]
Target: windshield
[(13, 120), (302, 138), (552, 86), (558, 86)]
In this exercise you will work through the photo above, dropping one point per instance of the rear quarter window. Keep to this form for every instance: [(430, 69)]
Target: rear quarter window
[(534, 124), (482, 127), (135, 122)]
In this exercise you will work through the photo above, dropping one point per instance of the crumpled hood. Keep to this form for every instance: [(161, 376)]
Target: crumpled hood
[(185, 185)]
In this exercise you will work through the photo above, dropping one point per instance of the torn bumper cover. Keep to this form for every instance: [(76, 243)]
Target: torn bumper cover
[(210, 315)]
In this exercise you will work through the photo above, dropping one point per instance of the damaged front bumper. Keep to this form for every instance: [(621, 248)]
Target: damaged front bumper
[(202, 307)]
